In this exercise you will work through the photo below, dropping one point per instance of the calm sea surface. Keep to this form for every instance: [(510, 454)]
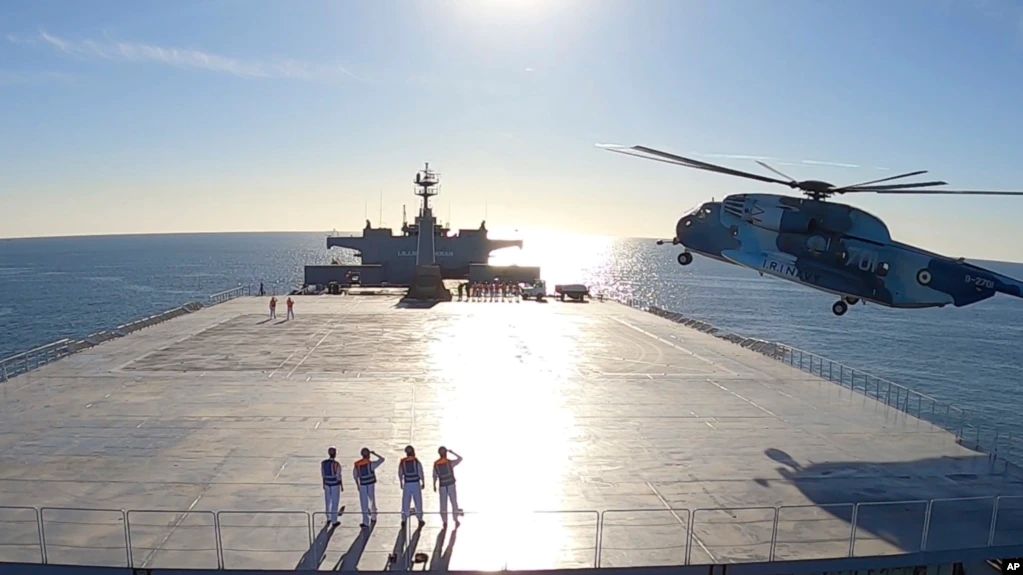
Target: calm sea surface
[(69, 287)]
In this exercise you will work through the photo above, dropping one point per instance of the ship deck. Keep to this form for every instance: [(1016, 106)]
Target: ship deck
[(587, 408)]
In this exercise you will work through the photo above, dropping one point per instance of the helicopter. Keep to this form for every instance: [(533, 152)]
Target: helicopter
[(828, 246)]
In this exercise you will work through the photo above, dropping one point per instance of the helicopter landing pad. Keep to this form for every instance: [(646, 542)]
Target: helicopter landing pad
[(568, 416)]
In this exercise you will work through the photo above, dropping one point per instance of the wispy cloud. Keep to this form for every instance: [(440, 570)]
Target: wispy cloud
[(186, 58)]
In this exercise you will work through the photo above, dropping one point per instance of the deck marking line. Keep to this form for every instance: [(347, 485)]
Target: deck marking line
[(678, 347), (753, 403), (337, 323), (281, 470), (684, 524), (173, 528)]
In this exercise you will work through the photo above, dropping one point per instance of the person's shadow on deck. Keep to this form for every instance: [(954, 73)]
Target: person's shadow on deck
[(401, 556), (349, 561), (441, 559), (312, 558)]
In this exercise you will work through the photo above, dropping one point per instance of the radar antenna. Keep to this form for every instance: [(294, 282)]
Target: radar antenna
[(426, 185)]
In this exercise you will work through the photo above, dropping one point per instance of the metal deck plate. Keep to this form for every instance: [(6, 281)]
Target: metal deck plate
[(558, 406)]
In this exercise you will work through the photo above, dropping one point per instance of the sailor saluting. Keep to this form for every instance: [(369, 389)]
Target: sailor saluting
[(330, 471), (365, 476), (444, 471)]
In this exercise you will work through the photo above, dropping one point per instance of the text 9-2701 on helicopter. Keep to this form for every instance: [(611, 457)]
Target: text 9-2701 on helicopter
[(828, 246)]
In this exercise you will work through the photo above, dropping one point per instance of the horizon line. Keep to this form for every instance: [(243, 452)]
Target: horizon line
[(327, 234)]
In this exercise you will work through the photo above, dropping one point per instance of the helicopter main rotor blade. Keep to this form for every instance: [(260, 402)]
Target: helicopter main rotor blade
[(892, 187), (888, 179), (687, 162), (943, 192), (791, 179)]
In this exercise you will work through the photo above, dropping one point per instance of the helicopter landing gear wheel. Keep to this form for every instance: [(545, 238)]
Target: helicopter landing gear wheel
[(839, 307), (851, 300), (685, 258), (923, 277)]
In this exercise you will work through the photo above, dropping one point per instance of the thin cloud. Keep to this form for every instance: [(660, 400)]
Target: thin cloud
[(186, 59)]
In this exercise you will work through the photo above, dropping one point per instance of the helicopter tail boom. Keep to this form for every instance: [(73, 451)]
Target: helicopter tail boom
[(1000, 283)]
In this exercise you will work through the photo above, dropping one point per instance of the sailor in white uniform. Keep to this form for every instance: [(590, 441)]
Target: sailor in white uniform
[(444, 471), (413, 480), (330, 471), (365, 476)]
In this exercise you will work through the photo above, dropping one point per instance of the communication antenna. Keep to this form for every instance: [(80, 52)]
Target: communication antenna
[(380, 217)]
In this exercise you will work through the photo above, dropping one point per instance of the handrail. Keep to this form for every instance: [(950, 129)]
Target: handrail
[(690, 524), (239, 291), (37, 357), (1003, 445)]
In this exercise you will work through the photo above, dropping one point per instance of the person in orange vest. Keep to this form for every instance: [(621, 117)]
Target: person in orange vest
[(273, 307), (365, 476), (291, 312), (413, 480), (444, 471)]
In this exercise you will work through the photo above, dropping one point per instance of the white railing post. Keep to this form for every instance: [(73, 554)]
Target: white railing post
[(774, 533), (852, 530), (927, 525), (994, 522)]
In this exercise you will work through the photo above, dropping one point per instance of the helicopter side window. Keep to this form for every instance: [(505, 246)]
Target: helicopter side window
[(882, 269)]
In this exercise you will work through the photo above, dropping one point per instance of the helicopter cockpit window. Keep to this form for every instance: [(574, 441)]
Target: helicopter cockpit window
[(882, 269), (703, 213)]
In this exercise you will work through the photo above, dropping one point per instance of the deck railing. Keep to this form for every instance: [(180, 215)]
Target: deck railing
[(221, 297), (33, 359), (580, 538), (983, 437), (978, 436)]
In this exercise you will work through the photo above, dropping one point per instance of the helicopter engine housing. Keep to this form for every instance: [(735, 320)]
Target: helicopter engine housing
[(782, 215)]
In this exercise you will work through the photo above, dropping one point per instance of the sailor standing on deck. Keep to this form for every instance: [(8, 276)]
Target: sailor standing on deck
[(365, 476), (444, 471), (330, 470), (413, 480)]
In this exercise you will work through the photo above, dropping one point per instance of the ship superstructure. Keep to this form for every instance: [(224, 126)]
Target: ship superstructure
[(390, 259)]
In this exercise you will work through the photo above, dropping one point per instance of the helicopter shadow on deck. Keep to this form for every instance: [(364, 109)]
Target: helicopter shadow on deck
[(878, 486)]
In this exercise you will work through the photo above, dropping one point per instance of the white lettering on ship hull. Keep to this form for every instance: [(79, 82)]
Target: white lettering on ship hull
[(415, 252)]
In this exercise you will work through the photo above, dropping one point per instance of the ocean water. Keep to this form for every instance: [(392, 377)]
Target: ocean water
[(52, 288)]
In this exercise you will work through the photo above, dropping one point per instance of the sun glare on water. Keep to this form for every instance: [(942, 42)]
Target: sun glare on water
[(562, 258)]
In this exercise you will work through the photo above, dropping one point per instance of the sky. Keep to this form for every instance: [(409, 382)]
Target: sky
[(250, 115)]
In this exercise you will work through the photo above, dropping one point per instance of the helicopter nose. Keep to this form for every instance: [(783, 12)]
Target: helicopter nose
[(683, 227)]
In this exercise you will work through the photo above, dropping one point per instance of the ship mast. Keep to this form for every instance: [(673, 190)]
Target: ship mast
[(426, 187)]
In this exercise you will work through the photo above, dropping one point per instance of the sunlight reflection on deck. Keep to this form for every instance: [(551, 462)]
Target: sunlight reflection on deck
[(503, 403)]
